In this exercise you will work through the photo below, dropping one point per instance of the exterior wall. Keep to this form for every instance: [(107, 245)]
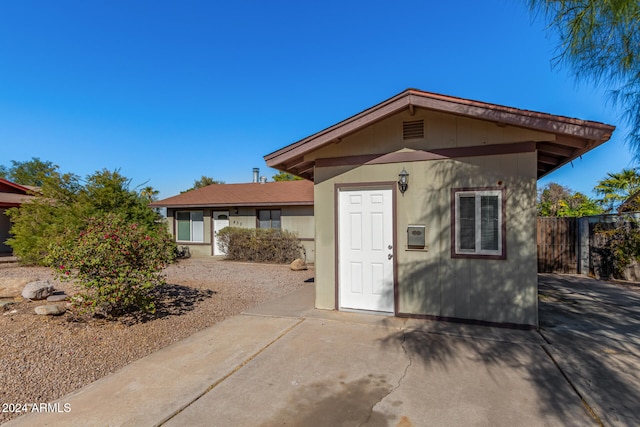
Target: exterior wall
[(440, 131), (298, 219), (5, 226), (430, 282), (203, 249)]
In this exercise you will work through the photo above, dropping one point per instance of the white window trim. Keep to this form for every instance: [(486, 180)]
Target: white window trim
[(191, 231), (478, 225)]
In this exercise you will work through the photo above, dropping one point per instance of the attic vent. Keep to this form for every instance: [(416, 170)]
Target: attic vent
[(413, 129)]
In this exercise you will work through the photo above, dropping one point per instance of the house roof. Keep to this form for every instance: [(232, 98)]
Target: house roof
[(573, 137), (283, 193), (12, 194)]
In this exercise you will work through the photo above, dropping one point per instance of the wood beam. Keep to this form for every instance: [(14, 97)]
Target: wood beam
[(558, 150), (548, 160), (571, 142)]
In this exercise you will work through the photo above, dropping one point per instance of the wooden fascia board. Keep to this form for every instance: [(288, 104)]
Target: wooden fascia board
[(512, 116), (338, 131), (15, 186)]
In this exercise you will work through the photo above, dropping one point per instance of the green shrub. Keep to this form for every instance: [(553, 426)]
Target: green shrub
[(617, 248), (115, 263), (62, 207), (259, 244)]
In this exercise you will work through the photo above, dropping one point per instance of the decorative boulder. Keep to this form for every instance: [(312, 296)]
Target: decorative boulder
[(298, 265), (37, 290), (11, 288), (50, 310)]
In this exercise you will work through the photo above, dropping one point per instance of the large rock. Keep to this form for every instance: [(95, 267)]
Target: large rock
[(298, 265), (11, 287), (50, 310), (37, 290)]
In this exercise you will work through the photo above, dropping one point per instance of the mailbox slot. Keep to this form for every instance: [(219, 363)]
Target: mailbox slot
[(416, 236)]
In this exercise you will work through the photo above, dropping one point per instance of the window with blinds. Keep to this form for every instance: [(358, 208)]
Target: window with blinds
[(478, 222), (190, 226)]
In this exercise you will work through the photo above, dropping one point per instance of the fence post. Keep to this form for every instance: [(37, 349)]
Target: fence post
[(583, 246)]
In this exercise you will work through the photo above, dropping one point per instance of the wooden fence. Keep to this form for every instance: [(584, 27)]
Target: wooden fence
[(557, 245), (573, 245)]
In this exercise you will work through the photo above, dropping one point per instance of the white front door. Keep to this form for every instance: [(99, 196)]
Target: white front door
[(220, 221), (365, 248)]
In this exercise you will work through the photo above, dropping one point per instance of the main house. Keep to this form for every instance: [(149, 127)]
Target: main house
[(196, 216), (12, 195), (425, 205)]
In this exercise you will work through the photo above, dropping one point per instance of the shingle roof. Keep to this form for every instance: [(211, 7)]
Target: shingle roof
[(253, 194), (9, 200), (12, 194)]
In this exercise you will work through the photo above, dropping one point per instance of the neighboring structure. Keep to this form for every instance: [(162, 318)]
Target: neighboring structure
[(12, 195), (196, 216), (457, 238)]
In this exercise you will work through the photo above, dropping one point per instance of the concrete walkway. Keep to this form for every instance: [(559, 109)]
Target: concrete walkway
[(284, 363)]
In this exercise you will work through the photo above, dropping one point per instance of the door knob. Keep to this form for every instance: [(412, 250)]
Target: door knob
[(389, 256)]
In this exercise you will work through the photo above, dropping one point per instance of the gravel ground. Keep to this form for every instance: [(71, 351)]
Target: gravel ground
[(43, 358)]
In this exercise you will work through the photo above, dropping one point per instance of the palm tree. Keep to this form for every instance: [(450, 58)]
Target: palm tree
[(600, 41), (149, 193), (618, 188)]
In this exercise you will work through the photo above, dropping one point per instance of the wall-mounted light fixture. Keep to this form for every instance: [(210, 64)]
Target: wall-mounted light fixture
[(236, 210), (403, 182)]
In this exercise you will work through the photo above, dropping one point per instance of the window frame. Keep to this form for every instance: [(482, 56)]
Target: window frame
[(479, 253), (191, 229), (271, 220)]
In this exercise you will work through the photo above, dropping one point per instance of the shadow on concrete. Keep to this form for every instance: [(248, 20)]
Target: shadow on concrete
[(438, 352), (593, 328), (326, 403), (592, 336)]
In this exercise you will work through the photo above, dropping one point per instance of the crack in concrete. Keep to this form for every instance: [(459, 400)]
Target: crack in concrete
[(585, 404), (233, 371), (404, 374)]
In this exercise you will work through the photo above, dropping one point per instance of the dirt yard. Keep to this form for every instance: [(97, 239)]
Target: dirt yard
[(43, 358)]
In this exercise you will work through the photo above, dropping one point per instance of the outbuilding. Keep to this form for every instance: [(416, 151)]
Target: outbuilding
[(425, 205)]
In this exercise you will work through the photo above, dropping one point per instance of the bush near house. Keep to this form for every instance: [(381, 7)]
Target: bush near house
[(116, 264), (616, 247), (260, 244), (63, 205)]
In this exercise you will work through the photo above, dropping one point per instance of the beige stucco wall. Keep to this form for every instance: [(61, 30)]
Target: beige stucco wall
[(441, 131), (196, 249), (431, 282), (298, 219)]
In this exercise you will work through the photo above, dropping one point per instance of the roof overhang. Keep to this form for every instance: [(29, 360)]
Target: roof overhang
[(572, 137), (226, 205)]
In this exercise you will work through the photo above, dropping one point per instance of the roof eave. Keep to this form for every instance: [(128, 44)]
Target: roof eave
[(229, 205), (291, 158)]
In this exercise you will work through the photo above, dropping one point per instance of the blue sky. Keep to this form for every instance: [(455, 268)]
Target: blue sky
[(168, 91)]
